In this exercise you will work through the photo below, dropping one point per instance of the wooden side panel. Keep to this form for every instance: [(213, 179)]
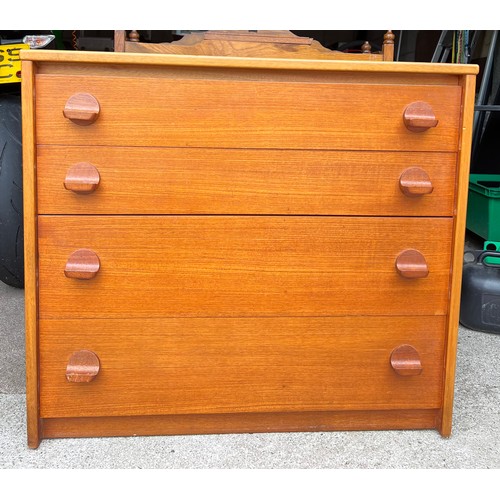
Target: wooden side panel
[(242, 266), (462, 188), (231, 181), (228, 114), (30, 253), (208, 365)]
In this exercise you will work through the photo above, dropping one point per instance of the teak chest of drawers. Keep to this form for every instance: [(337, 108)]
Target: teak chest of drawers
[(241, 245)]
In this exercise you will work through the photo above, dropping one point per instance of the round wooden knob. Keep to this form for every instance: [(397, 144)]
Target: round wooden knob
[(412, 264), (415, 181), (82, 178), (82, 109), (419, 117), (82, 264), (83, 366), (405, 360)]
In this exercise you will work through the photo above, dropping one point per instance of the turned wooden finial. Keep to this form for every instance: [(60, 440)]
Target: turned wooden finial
[(388, 46), (366, 48), (133, 36), (389, 38)]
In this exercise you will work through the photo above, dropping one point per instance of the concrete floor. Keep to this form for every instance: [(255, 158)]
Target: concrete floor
[(475, 442)]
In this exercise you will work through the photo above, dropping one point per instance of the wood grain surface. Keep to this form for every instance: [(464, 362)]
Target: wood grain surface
[(223, 423), (242, 266), (228, 114), (462, 192), (292, 50), (225, 365), (30, 254), (343, 74), (68, 58), (233, 181), (247, 222)]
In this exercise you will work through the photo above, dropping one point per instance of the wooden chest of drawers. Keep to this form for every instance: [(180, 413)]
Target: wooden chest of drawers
[(241, 245)]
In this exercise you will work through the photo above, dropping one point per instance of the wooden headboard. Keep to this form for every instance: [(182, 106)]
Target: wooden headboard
[(259, 43)]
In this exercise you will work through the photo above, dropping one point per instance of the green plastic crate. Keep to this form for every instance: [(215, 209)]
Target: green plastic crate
[(483, 212)]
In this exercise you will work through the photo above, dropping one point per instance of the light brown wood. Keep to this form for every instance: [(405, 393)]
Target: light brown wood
[(82, 264), (462, 191), (388, 46), (82, 178), (263, 36), (260, 43), (412, 264), (30, 253), (346, 74), (415, 181), (249, 215), (419, 117), (246, 115), (119, 40), (406, 361), (134, 36), (81, 109), (83, 367), (242, 266), (162, 366), (166, 60), (239, 423), (223, 181)]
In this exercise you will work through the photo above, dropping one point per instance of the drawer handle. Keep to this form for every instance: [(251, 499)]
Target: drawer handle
[(412, 264), (83, 366), (82, 109), (405, 360), (419, 117), (82, 178), (415, 181), (82, 264)]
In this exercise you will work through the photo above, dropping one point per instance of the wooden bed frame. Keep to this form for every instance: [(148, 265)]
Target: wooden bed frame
[(259, 43)]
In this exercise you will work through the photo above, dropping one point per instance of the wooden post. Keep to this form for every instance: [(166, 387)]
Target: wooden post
[(120, 41), (388, 46)]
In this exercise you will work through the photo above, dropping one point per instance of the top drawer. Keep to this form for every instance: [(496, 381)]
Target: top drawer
[(155, 111)]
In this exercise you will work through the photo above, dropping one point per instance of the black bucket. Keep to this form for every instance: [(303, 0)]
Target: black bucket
[(480, 302)]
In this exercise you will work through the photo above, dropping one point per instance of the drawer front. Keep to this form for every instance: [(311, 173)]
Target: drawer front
[(165, 266), (244, 114), (229, 365), (232, 181)]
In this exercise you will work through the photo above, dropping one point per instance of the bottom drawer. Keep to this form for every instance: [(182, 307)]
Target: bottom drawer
[(167, 366)]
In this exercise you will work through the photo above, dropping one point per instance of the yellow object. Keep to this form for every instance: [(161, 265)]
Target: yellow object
[(10, 62)]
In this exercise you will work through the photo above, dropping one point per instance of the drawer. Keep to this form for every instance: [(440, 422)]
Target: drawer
[(229, 365), (232, 181), (243, 114), (166, 266)]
